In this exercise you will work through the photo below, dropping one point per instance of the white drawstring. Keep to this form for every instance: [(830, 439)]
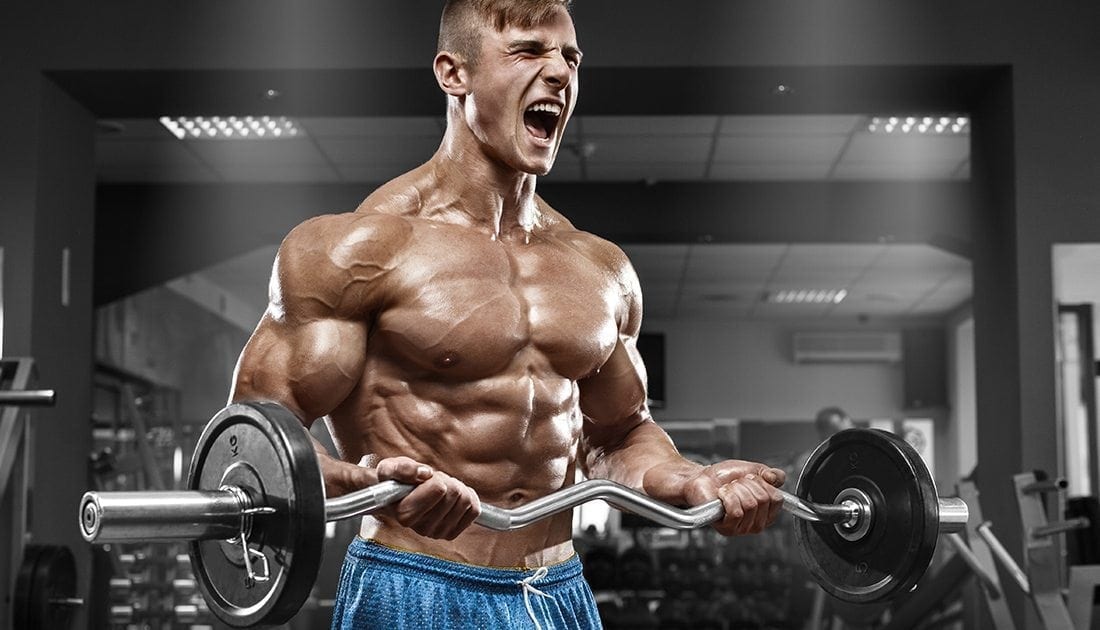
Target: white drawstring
[(525, 584)]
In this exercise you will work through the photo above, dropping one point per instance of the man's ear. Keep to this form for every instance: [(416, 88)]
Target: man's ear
[(451, 73)]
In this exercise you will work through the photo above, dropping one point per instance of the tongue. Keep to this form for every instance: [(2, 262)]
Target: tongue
[(536, 125)]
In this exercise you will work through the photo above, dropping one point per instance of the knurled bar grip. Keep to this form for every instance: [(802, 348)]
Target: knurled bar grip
[(209, 515)]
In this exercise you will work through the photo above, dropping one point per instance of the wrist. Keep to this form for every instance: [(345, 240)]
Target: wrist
[(667, 481), (342, 477)]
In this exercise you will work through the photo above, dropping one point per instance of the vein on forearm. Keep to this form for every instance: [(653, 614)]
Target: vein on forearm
[(628, 456)]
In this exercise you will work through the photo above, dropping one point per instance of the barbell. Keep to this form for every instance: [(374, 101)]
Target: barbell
[(868, 516)]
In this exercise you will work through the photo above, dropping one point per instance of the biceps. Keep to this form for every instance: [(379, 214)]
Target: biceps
[(311, 368), (617, 393)]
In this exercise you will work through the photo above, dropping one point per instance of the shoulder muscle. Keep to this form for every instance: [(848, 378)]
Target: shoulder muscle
[(333, 265)]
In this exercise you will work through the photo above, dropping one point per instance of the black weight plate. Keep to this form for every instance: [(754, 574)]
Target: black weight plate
[(46, 579), (896, 551), (263, 448)]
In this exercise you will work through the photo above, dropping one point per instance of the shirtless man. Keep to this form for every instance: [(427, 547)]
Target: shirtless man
[(457, 332)]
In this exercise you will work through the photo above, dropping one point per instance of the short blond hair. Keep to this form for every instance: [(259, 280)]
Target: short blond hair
[(459, 26)]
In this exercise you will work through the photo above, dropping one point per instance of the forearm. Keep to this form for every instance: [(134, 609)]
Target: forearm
[(645, 448)]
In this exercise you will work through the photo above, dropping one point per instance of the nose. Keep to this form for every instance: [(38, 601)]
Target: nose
[(557, 72)]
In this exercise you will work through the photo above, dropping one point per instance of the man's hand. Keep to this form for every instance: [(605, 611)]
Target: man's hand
[(439, 507), (748, 491)]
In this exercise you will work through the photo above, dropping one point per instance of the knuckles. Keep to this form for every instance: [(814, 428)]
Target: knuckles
[(751, 506)]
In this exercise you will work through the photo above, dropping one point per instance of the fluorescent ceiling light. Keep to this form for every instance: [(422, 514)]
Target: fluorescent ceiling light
[(231, 127), (920, 125), (806, 296)]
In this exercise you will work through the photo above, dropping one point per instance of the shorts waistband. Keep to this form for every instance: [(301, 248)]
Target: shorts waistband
[(431, 567)]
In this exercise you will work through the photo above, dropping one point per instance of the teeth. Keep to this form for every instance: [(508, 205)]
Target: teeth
[(550, 108)]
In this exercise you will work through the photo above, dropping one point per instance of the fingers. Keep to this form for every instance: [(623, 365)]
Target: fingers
[(774, 476), (403, 469), (735, 469), (439, 507), (751, 505)]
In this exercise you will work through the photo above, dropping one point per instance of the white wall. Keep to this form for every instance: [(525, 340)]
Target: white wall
[(1076, 270), (744, 370)]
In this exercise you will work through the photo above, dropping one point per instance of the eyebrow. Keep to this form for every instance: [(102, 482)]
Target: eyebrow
[(521, 44)]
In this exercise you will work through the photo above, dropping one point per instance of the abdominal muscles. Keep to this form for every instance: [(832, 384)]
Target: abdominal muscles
[(511, 436)]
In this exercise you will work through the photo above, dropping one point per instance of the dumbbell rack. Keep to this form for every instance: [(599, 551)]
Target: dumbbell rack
[(694, 578), (159, 591), (147, 585)]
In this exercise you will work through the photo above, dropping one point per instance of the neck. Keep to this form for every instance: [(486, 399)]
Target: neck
[(487, 192)]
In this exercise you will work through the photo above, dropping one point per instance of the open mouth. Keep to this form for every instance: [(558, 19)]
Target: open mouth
[(541, 119)]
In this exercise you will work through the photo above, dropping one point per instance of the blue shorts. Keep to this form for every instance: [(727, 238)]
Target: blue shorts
[(382, 587)]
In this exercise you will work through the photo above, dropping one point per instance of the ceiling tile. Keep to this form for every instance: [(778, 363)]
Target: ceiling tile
[(878, 308), (802, 277), (411, 150), (712, 312), (374, 126), (230, 153), (696, 287), (659, 296), (780, 171), (639, 171), (729, 261), (768, 311), (777, 149), (950, 293), (919, 257), (657, 262), (649, 149), (871, 171), (789, 125), (372, 173), (907, 149), (659, 302), (132, 129), (149, 153), (278, 173), (831, 255), (649, 125), (900, 284)]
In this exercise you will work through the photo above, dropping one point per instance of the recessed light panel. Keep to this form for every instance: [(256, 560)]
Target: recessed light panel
[(806, 296), (231, 127), (920, 125)]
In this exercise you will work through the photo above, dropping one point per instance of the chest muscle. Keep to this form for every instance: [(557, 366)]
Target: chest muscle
[(468, 311)]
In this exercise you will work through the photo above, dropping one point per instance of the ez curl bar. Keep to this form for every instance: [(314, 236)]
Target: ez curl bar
[(254, 512)]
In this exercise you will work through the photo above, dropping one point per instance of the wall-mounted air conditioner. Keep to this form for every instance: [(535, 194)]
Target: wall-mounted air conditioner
[(846, 347)]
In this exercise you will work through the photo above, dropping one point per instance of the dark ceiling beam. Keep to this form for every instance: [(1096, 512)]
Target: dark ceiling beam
[(605, 91), (149, 234)]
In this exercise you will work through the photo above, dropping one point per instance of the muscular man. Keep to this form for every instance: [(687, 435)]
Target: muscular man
[(458, 332)]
